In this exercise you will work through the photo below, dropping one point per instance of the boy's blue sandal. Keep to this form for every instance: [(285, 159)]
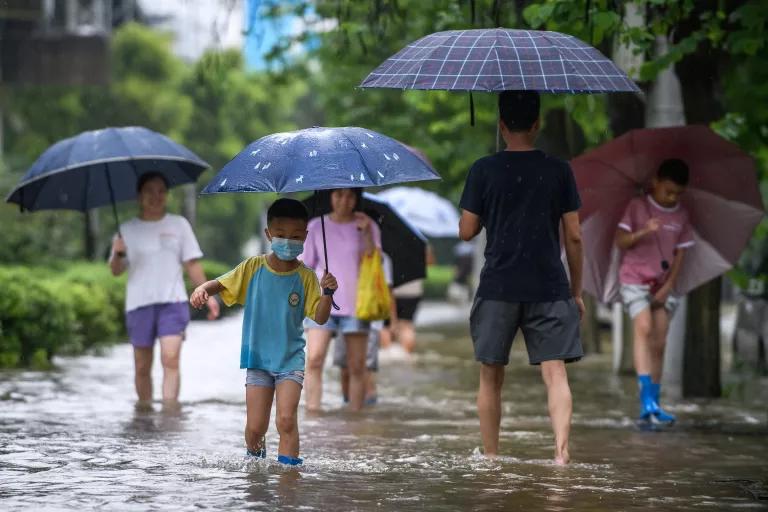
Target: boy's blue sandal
[(290, 461), (261, 452)]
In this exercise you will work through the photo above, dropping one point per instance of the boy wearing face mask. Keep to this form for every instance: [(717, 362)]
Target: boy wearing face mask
[(278, 292)]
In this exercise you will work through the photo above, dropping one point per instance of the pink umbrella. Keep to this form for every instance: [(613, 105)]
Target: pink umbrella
[(723, 200)]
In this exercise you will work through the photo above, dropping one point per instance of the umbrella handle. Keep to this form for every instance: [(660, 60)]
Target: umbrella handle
[(326, 291)]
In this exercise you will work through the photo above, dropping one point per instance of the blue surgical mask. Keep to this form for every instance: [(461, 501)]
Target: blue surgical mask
[(287, 250)]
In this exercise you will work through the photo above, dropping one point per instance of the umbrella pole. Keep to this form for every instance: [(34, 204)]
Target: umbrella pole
[(325, 246)]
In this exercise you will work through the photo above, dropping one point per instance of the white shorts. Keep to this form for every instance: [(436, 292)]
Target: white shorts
[(637, 297)]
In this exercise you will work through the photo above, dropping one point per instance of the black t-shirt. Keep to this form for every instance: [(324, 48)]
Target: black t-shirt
[(520, 197)]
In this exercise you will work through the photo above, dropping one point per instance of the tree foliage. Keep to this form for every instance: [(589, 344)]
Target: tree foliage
[(215, 107)]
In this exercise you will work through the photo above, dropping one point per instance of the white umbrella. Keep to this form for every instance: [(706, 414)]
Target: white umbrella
[(431, 214)]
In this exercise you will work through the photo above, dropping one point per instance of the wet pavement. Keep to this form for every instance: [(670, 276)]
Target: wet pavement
[(72, 439)]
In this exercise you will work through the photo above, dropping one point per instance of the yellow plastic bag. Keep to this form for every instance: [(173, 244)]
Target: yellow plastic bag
[(373, 299)]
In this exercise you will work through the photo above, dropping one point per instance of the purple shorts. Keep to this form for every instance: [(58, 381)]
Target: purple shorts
[(147, 323)]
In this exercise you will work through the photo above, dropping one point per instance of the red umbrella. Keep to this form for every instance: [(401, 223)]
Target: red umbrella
[(723, 200)]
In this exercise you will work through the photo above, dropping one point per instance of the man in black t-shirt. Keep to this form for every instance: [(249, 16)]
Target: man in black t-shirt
[(521, 196)]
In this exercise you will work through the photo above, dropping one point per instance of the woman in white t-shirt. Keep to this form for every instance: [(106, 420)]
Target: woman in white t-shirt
[(155, 248)]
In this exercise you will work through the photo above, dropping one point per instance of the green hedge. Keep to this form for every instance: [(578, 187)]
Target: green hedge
[(68, 308)]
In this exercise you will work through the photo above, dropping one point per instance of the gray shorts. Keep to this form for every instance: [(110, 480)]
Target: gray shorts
[(637, 297), (550, 329), (371, 358)]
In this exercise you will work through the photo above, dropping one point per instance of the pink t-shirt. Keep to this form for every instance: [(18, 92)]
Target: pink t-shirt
[(641, 264), (345, 248)]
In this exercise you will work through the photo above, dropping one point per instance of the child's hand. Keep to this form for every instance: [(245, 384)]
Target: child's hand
[(328, 281), (653, 225), (660, 298), (198, 298), (213, 308)]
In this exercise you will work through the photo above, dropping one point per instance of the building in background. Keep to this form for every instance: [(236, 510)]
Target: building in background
[(198, 25), (59, 42)]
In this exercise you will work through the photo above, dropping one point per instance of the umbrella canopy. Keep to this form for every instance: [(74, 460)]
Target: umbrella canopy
[(722, 198), (401, 240), (319, 159), (431, 214), (500, 59), (100, 167)]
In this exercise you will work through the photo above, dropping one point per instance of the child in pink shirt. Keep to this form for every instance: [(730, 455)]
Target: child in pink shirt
[(654, 234)]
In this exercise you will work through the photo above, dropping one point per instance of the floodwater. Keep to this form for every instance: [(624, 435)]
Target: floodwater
[(71, 439)]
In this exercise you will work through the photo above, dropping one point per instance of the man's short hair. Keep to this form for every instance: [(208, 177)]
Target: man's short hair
[(519, 110), (674, 170), (149, 176), (286, 208)]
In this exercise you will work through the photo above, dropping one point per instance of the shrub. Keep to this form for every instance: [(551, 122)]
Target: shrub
[(438, 279), (34, 320), (66, 308)]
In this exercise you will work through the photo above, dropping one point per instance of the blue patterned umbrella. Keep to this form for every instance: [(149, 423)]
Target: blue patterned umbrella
[(320, 159), (500, 59)]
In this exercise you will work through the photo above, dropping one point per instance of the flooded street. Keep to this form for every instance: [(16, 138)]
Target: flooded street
[(71, 439)]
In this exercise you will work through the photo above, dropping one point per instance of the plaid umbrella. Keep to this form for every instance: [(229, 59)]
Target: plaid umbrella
[(500, 59)]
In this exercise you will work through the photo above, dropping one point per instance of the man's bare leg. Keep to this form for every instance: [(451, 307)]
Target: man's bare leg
[(489, 406), (560, 404)]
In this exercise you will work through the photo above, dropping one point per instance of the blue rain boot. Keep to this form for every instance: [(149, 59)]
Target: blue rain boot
[(648, 406), (290, 461), (260, 453), (661, 415)]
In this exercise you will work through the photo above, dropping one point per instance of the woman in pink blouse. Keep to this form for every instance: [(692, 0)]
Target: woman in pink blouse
[(349, 235)]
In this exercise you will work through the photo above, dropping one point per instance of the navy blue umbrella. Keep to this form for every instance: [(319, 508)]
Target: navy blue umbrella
[(101, 167), (318, 159), (500, 59)]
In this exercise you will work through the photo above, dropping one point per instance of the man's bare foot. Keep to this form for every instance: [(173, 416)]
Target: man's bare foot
[(563, 459)]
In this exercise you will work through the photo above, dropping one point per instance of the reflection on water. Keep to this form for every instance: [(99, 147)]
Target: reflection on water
[(74, 439)]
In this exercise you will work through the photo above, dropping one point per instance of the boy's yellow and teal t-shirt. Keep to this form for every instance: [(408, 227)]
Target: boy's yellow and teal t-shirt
[(275, 306)]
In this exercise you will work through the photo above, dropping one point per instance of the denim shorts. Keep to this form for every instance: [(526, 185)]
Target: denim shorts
[(637, 297), (340, 325), (265, 379)]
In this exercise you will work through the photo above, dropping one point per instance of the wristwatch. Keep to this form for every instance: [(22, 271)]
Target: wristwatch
[(328, 291), (120, 254)]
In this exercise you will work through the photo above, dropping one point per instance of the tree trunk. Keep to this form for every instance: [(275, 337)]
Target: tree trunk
[(701, 368), (590, 328), (91, 234), (189, 205)]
